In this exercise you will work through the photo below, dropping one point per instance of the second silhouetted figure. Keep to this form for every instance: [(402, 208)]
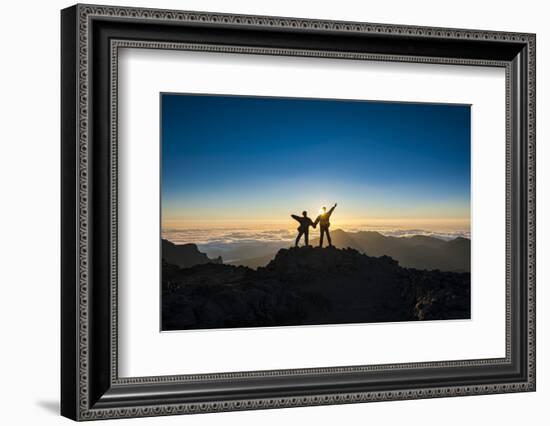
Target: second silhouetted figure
[(324, 220), (303, 229)]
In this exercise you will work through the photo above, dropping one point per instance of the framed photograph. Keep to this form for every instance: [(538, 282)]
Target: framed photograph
[(263, 212)]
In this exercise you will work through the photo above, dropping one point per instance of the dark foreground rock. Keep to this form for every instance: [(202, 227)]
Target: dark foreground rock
[(303, 286)]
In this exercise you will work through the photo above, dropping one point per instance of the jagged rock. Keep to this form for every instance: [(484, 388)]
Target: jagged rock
[(309, 285)]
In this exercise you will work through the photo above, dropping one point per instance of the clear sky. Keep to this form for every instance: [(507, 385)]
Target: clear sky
[(232, 160)]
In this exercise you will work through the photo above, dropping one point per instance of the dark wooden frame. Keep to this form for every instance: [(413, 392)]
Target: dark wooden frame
[(90, 386)]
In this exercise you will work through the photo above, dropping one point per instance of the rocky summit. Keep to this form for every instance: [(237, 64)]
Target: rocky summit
[(305, 286)]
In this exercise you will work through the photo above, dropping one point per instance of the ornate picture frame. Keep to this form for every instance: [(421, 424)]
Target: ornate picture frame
[(91, 37)]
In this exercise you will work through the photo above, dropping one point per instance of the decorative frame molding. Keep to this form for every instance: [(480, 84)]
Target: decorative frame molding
[(91, 388)]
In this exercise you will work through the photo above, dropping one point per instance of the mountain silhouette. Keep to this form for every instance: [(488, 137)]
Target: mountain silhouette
[(419, 251), (307, 285), (184, 255)]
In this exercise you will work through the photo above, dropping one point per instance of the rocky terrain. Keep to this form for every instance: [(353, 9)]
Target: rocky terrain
[(307, 285)]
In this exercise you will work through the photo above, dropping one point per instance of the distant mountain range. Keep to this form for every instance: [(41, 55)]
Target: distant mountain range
[(307, 285), (419, 252), (185, 255)]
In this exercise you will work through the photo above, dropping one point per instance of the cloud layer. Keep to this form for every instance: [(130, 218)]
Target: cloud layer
[(230, 236)]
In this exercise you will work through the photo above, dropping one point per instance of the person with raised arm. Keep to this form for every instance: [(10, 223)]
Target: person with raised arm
[(324, 220)]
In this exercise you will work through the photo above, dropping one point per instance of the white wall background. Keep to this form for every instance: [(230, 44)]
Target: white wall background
[(29, 213)]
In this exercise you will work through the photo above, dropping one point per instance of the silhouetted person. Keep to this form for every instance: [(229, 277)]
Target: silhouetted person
[(303, 229), (324, 220)]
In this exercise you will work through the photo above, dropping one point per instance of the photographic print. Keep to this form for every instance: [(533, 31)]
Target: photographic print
[(297, 211)]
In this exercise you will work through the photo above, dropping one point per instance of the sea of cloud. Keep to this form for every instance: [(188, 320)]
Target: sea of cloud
[(226, 235), (393, 232), (202, 236)]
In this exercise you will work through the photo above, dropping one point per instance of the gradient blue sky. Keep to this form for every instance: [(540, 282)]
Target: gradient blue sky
[(228, 160)]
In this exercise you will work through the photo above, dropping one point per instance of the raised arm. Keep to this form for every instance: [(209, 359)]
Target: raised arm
[(332, 209), (293, 216)]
